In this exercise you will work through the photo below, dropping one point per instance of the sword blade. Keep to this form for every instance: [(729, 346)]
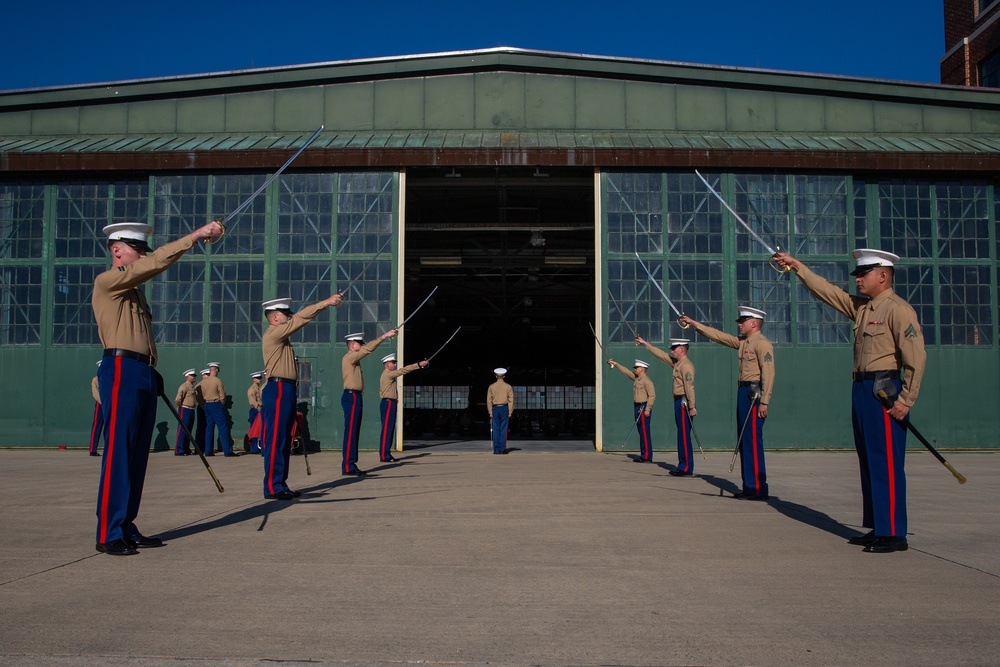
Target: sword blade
[(400, 325), (239, 209), (445, 344), (735, 214), (597, 339), (370, 262), (657, 286)]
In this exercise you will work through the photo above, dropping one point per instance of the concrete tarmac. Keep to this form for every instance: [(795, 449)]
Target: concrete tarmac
[(465, 558)]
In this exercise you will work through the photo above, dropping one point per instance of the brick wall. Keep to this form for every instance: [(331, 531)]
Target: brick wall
[(960, 21)]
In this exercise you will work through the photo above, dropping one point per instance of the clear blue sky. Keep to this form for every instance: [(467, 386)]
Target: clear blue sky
[(60, 42)]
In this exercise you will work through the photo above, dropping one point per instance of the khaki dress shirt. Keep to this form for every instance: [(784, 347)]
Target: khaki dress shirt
[(500, 393), (387, 383), (683, 373), (756, 356), (350, 367), (279, 357), (187, 395), (643, 390), (212, 389)]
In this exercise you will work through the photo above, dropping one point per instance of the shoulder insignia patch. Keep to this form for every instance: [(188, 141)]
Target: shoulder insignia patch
[(687, 376), (767, 358), (911, 332)]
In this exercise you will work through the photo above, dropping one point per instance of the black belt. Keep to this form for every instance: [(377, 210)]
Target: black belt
[(129, 354), (353, 391), (285, 380), (875, 375), (676, 396), (747, 383), (642, 404)]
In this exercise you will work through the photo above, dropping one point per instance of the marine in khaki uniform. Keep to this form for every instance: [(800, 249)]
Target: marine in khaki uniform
[(201, 421), (279, 395), (214, 394), (352, 400), (753, 392), (683, 392), (390, 401), (500, 404), (97, 424), (186, 401), (643, 398), (127, 379), (889, 355), (253, 398)]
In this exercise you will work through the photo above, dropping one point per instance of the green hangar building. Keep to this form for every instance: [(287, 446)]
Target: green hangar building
[(521, 184)]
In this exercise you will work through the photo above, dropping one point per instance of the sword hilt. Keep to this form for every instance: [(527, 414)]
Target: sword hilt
[(681, 324), (216, 239), (774, 266)]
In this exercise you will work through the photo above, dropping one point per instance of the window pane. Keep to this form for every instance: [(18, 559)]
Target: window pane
[(20, 305), (965, 305), (21, 210), (693, 215), (237, 291), (818, 322), (634, 306), (177, 298), (695, 288), (905, 218), (760, 286), (364, 212), (634, 212), (916, 285), (821, 216), (305, 213), (762, 202), (180, 207), (244, 233), (72, 315), (963, 227), (306, 283), (366, 306), (81, 214)]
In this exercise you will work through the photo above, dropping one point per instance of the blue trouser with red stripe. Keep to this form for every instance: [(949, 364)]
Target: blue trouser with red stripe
[(253, 444), (499, 425), (353, 404), (277, 414), (215, 415), (881, 444), (181, 444), (685, 459), (752, 444), (387, 410), (128, 391), (642, 426), (97, 428)]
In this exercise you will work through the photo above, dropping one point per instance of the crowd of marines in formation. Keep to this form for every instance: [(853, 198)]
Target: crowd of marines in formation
[(889, 360)]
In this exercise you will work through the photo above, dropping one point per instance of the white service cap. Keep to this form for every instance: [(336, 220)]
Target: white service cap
[(867, 259), (389, 357), (205, 371), (278, 304), (258, 374), (214, 364), (747, 311), (500, 371), (189, 371), (360, 337), (674, 342), (129, 231), (639, 363)]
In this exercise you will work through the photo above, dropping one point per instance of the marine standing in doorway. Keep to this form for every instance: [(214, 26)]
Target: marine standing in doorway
[(683, 391), (753, 393), (500, 404), (127, 379), (889, 356), (352, 400), (390, 401), (186, 402)]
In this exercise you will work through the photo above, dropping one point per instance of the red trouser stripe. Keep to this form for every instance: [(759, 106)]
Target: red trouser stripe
[(350, 435), (93, 428), (385, 428), (109, 450), (274, 441), (756, 461), (891, 469)]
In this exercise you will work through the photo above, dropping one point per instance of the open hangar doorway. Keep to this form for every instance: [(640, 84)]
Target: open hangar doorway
[(511, 251)]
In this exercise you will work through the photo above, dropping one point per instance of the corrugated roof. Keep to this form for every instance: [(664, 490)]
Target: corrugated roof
[(473, 139)]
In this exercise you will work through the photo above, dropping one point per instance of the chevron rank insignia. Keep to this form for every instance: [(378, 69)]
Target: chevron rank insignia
[(687, 376), (767, 358), (911, 332)]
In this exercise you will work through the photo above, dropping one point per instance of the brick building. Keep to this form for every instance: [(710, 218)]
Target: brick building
[(971, 43)]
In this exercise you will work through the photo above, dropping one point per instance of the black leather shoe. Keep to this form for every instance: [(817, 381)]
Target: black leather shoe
[(886, 545), (863, 540), (231, 454), (751, 496), (295, 493), (389, 460), (116, 548), (642, 460), (95, 453), (679, 473), (143, 542), (280, 495), (357, 472)]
